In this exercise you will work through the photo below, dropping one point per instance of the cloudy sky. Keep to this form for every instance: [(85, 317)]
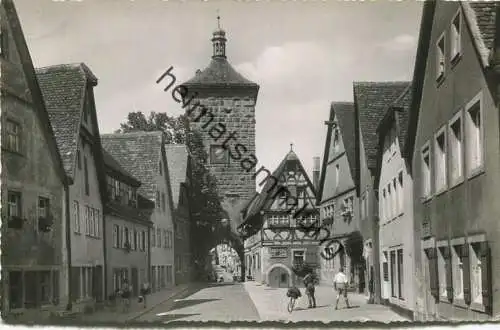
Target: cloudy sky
[(304, 55)]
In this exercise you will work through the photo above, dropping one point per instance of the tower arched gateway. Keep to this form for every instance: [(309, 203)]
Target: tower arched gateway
[(221, 105)]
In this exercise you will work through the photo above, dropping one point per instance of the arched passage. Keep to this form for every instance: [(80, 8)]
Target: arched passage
[(234, 241), (279, 276)]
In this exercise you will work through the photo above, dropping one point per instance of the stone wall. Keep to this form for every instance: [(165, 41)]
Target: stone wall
[(234, 179)]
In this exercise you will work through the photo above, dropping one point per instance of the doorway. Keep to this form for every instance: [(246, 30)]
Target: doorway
[(279, 278)]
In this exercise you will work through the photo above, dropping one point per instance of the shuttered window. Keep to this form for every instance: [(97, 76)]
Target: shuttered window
[(393, 273), (448, 272), (485, 253), (465, 256), (433, 271)]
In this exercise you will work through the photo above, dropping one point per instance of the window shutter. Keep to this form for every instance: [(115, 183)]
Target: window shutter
[(433, 272), (486, 276), (449, 272), (464, 251)]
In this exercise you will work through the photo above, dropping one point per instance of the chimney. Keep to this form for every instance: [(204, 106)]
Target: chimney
[(316, 173)]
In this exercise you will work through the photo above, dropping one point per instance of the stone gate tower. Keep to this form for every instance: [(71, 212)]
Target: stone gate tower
[(230, 99)]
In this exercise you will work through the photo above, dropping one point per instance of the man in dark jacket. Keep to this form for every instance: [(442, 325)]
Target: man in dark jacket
[(309, 282)]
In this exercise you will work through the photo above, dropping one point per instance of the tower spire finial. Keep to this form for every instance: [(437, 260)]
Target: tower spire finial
[(291, 146), (219, 40)]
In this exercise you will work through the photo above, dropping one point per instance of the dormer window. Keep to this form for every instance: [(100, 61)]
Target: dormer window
[(440, 58), (456, 46)]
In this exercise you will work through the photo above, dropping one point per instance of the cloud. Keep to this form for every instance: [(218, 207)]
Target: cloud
[(291, 60), (400, 43)]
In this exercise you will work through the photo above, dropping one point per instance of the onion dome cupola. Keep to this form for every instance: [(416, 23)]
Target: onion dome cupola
[(219, 41), (219, 72)]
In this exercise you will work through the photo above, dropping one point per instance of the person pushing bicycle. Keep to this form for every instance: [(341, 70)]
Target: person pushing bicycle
[(309, 282)]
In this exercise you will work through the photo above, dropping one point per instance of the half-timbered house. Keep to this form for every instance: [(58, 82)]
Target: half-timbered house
[(279, 226)]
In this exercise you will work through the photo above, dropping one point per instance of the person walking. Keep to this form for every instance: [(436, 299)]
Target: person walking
[(340, 285), (144, 293), (309, 282), (371, 287), (126, 293)]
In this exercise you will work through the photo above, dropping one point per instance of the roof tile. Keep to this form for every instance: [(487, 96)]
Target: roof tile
[(139, 153), (219, 73), (63, 88), (371, 99), (485, 17), (177, 160)]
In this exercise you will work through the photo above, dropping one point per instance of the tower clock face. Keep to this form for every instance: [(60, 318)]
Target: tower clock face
[(219, 154)]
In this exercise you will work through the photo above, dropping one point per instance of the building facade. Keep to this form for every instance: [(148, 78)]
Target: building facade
[(143, 155), (395, 190), (127, 229), (178, 161), (228, 258), (370, 100), (453, 145), (338, 201), (281, 225), (221, 106), (69, 98), (34, 184)]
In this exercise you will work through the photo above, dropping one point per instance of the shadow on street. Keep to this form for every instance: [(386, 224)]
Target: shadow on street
[(174, 317), (189, 302)]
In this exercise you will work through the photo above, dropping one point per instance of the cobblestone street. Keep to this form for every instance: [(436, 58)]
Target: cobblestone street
[(272, 303), (251, 301), (215, 302)]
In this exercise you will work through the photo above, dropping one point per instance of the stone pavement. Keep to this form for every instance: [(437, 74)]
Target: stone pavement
[(221, 302), (271, 304), (116, 315)]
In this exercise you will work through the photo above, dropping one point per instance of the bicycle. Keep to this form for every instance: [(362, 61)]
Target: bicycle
[(291, 304), (294, 294)]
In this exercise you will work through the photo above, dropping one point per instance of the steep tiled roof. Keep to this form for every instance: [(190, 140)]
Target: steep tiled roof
[(247, 207), (264, 199), (139, 153), (219, 73), (177, 160), (12, 20), (371, 100), (115, 166), (63, 87), (480, 17), (346, 121)]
